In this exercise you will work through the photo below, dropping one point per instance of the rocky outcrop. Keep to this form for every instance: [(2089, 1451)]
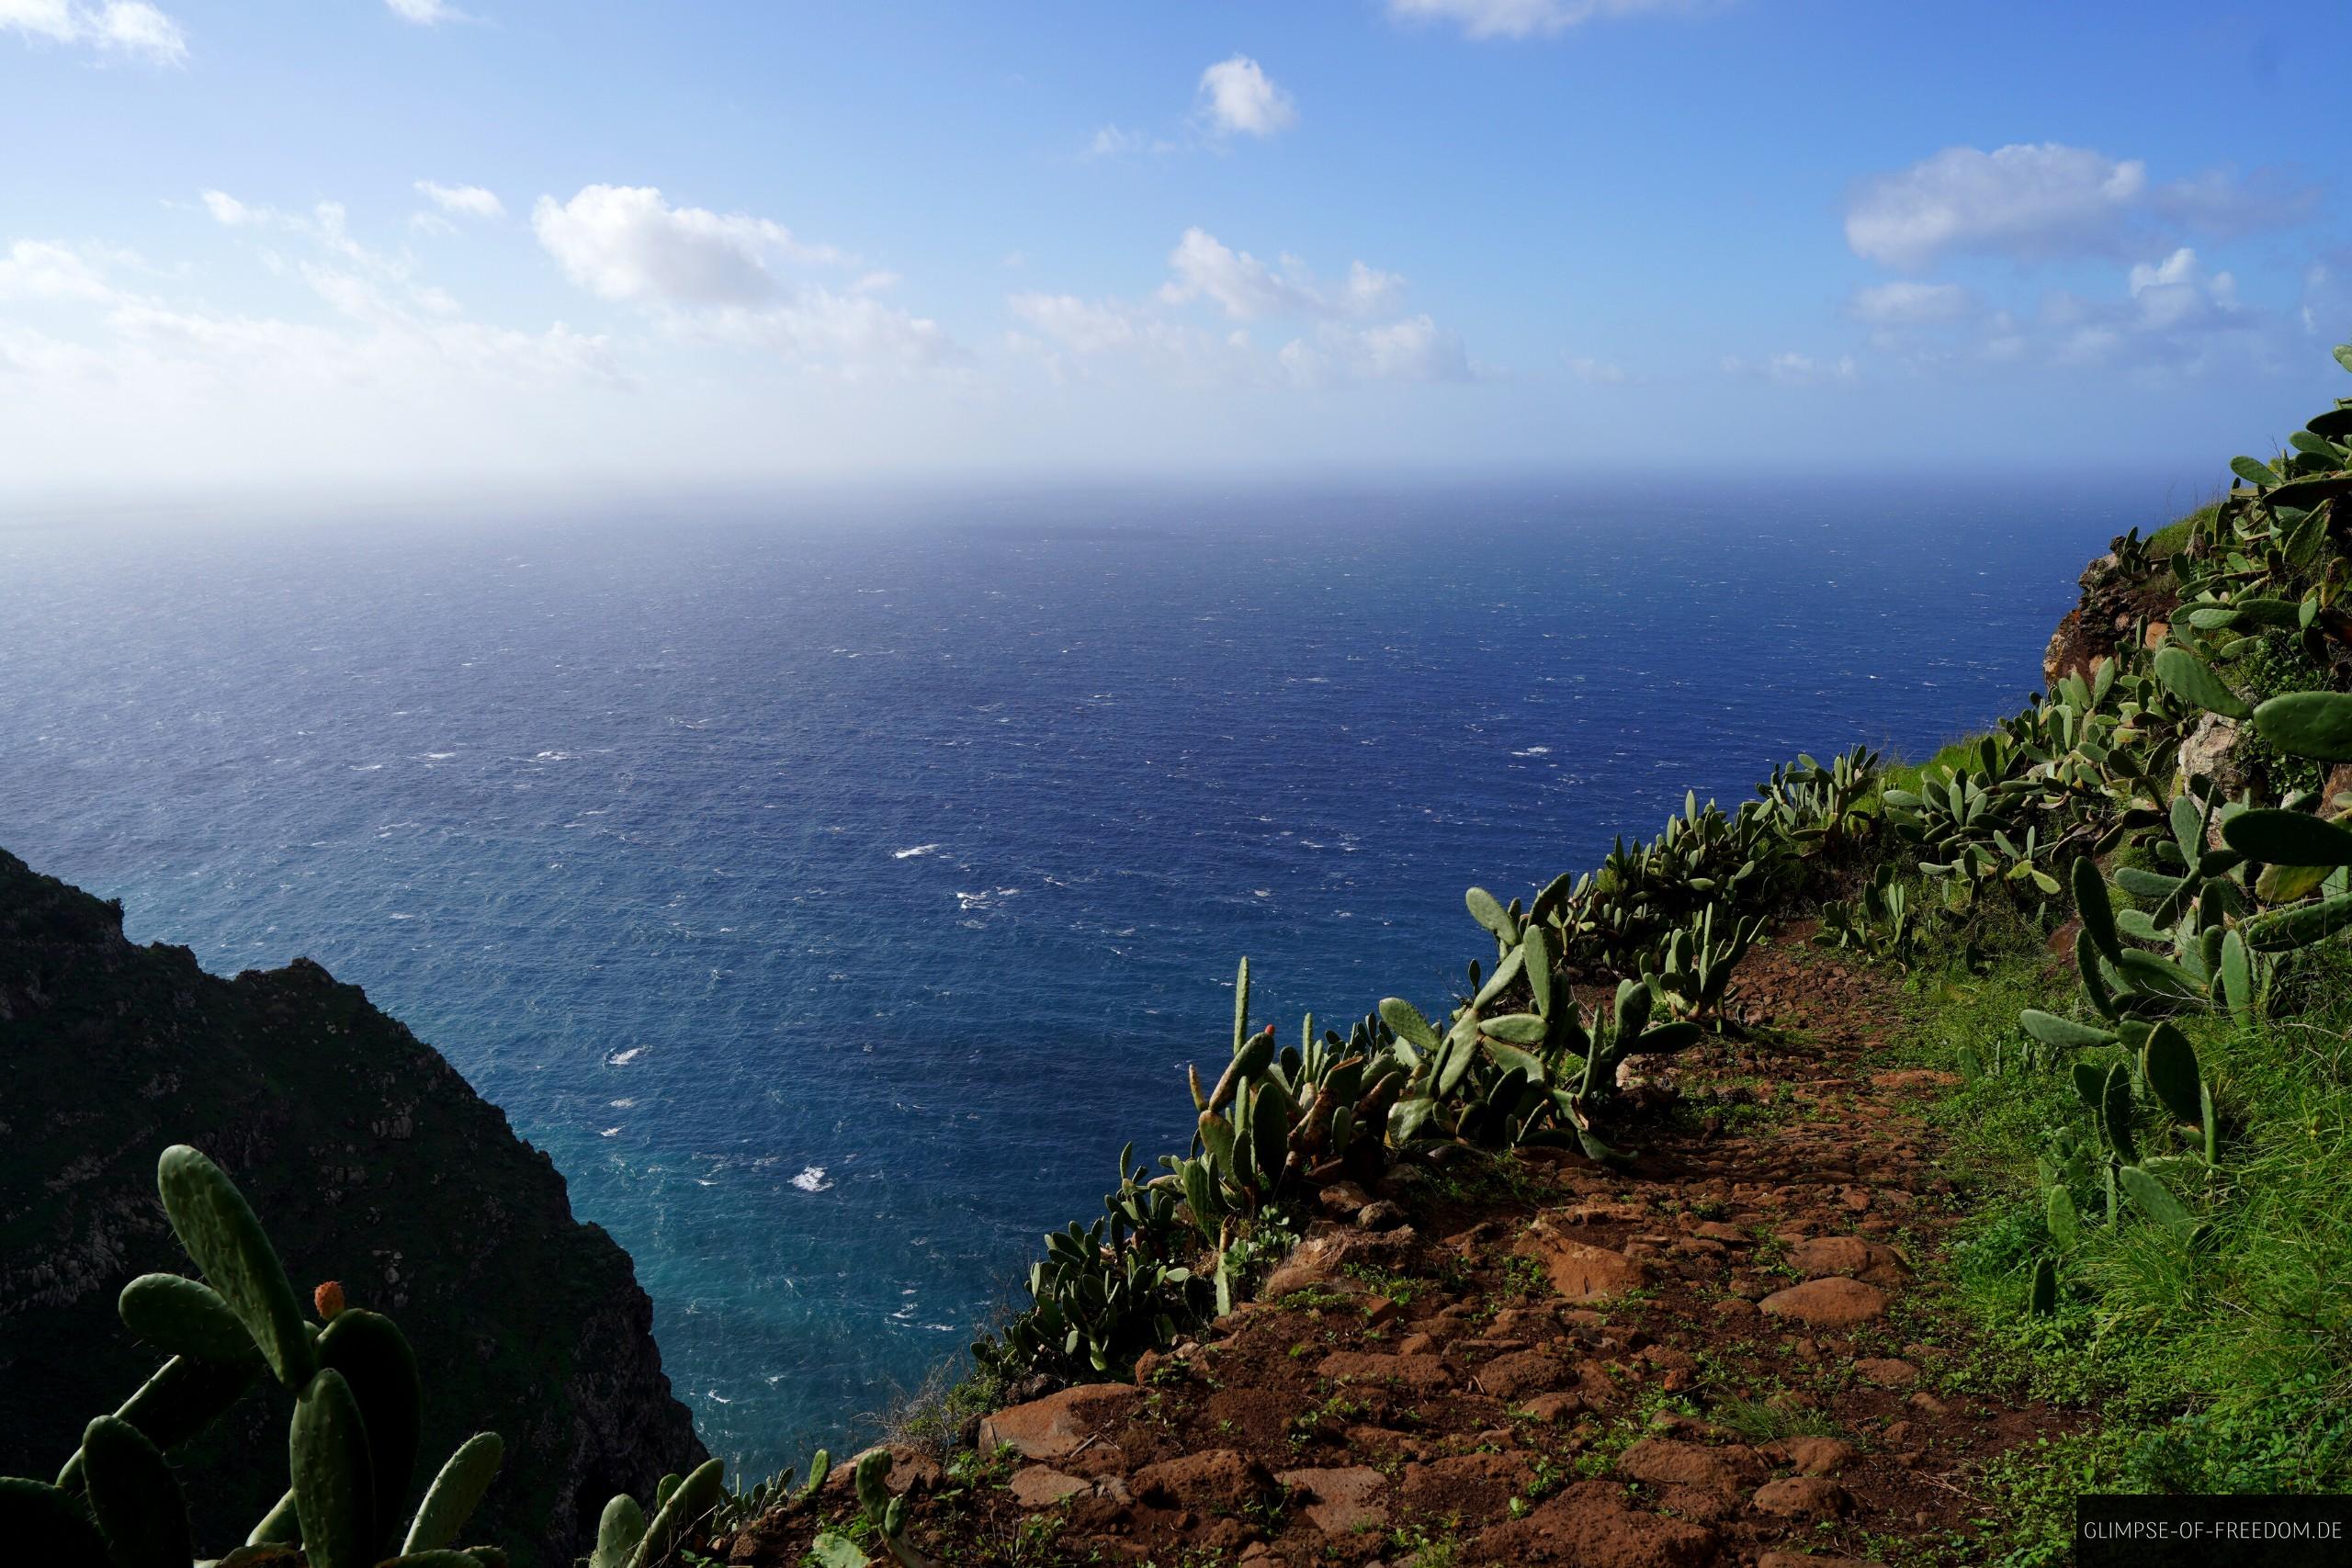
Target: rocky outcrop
[(370, 1160), (2117, 606)]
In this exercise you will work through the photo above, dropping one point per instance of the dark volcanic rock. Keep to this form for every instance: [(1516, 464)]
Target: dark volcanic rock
[(370, 1161)]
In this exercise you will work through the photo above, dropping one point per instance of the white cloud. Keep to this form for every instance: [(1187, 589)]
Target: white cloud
[(1246, 289), (131, 27), (1338, 345), (1413, 349), (2171, 317), (2176, 317), (2027, 200), (39, 270), (1238, 95), (466, 201), (2045, 201), (426, 13), (1113, 143), (1600, 372), (2325, 311), (2179, 298), (1794, 370), (1908, 304), (626, 243), (227, 210), (1524, 19), (712, 278), (90, 335)]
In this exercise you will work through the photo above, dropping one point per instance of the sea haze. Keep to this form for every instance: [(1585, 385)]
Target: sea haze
[(831, 891)]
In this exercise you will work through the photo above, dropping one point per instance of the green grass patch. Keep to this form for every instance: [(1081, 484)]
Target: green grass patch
[(2225, 1366)]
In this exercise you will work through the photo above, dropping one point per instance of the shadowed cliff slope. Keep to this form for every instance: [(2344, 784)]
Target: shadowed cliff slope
[(370, 1160)]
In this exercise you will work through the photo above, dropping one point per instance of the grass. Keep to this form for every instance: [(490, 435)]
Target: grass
[(2173, 537), (1951, 757), (2222, 1368)]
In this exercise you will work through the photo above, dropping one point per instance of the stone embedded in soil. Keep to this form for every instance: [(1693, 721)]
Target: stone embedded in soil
[(1035, 1487), (1467, 1484), (1554, 1406), (1579, 1270), (1833, 1302), (1803, 1497), (1342, 1200), (912, 1469), (1818, 1456), (1219, 1479), (1823, 1255), (1524, 1373), (1886, 1371), (1326, 1254), (1662, 1462), (1340, 1501), (1426, 1373), (1590, 1525), (1055, 1426)]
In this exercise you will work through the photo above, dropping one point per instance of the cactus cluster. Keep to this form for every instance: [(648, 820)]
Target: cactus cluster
[(1607, 920), (1881, 921), (2234, 886), (351, 1445), (1826, 811), (884, 1512)]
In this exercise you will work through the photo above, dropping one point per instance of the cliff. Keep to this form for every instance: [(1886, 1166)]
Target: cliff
[(371, 1161)]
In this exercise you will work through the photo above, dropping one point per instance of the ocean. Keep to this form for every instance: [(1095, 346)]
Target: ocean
[(832, 886)]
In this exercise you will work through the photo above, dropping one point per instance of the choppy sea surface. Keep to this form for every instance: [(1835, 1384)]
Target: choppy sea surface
[(831, 887)]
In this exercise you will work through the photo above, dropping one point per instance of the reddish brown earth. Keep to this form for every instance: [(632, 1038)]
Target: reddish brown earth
[(1718, 1356)]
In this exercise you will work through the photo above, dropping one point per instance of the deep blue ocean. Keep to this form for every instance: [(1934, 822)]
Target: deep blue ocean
[(832, 886)]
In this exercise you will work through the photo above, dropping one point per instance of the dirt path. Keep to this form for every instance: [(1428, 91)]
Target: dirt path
[(1719, 1356)]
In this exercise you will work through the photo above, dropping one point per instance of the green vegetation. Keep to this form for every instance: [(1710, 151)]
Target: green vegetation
[(351, 1446), (2160, 1126)]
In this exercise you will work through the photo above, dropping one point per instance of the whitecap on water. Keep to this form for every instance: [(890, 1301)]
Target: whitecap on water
[(609, 1133), (812, 1180), (623, 1058), (909, 855)]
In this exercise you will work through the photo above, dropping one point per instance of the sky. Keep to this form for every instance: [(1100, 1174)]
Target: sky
[(390, 245)]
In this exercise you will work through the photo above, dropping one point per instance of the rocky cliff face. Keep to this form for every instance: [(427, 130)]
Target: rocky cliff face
[(370, 1160), (2120, 604)]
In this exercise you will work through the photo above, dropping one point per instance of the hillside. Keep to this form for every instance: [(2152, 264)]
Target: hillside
[(372, 1163), (1853, 1177)]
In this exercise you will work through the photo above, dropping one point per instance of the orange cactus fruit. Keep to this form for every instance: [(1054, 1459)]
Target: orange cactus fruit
[(328, 1299)]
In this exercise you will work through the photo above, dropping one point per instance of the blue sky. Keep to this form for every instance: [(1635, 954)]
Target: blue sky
[(417, 243)]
